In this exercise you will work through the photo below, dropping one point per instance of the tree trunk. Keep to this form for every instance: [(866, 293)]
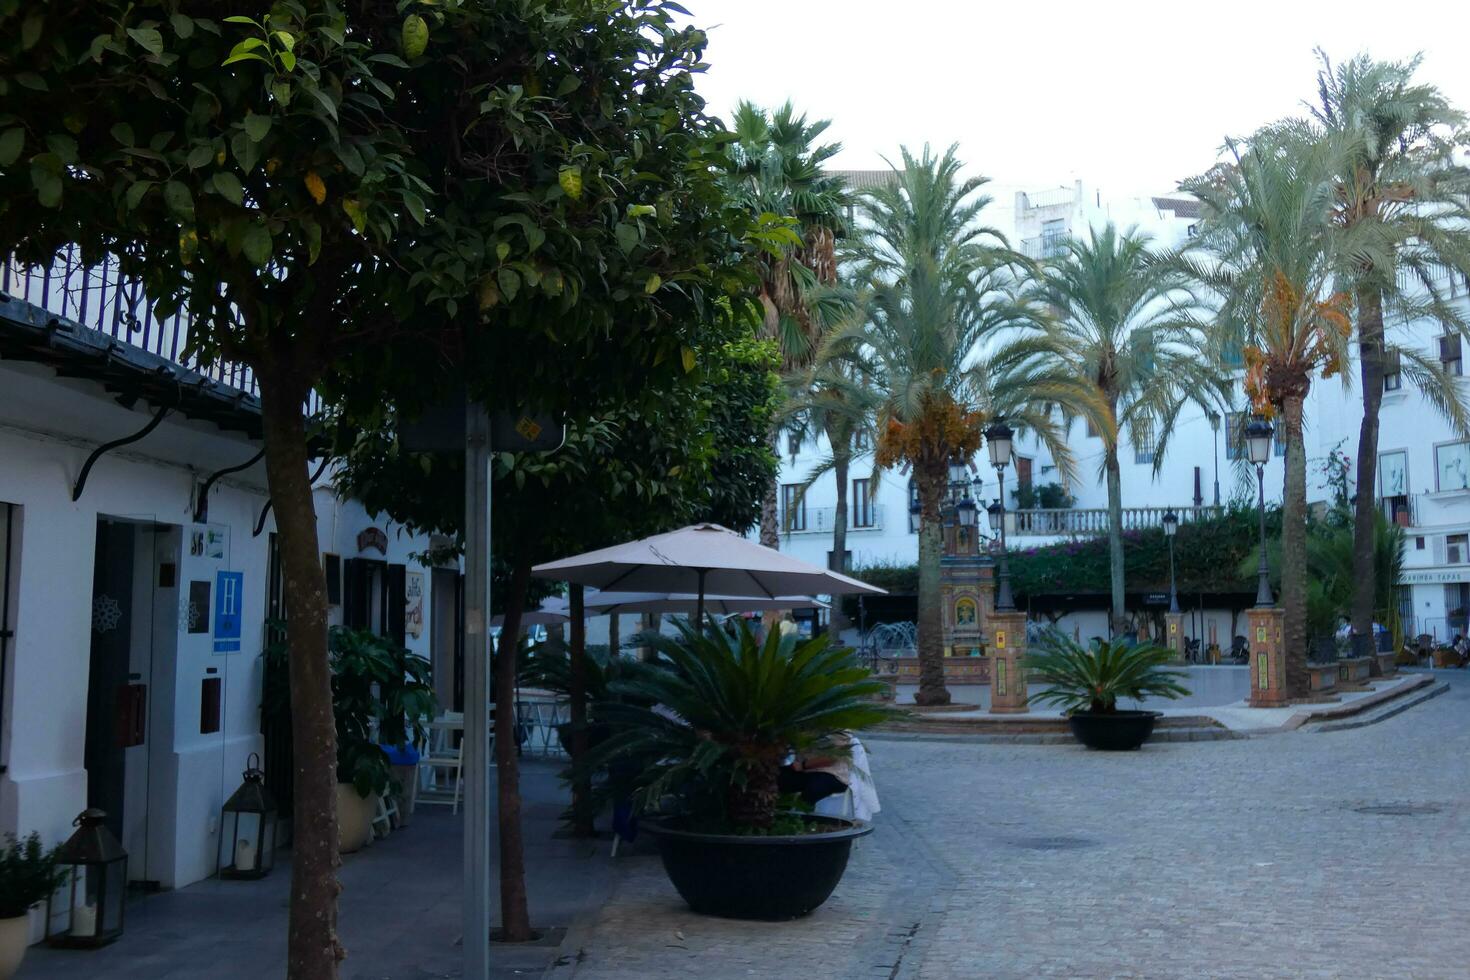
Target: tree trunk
[(614, 639), (840, 464), (1365, 508), (313, 950), (582, 816), (1294, 552), (1117, 621), (931, 625), (515, 920), (770, 531)]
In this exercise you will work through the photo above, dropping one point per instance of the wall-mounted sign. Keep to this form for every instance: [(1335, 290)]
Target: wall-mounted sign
[(229, 592), (1435, 576), (413, 612), (195, 613), (372, 537)]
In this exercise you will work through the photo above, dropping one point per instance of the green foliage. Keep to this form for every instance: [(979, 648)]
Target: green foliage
[(893, 576), (28, 874), (1094, 679), (1052, 496), (381, 695), (740, 706)]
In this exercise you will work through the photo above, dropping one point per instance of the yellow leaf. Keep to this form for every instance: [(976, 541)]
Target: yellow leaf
[(355, 212), (188, 245), (570, 179), (651, 286), (489, 293), (688, 356), (316, 188), (415, 36)]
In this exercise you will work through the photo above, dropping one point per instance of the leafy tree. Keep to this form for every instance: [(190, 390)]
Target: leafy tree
[(350, 198), (1112, 314), (1265, 252), (940, 285), (1401, 215), (776, 169)]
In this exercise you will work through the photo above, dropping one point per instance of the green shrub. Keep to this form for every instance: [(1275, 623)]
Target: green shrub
[(28, 874), (1094, 679)]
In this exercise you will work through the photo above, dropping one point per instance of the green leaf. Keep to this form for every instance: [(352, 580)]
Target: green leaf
[(287, 60), (415, 205), (257, 244), (534, 237), (47, 183), (256, 127), (502, 249), (12, 141), (281, 92), (351, 158), (238, 19), (356, 213), (415, 36), (30, 30), (641, 210), (123, 133), (148, 39), (686, 355), (245, 57), (199, 156), (227, 185), (179, 200), (651, 286), (313, 241), (64, 147), (627, 236), (135, 193), (570, 179), (510, 283), (183, 25)]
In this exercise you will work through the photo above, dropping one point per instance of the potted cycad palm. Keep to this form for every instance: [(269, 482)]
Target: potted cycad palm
[(727, 711), (1087, 683), (28, 875)]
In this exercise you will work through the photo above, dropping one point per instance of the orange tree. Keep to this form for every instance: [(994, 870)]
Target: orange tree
[(356, 197), (940, 301), (1265, 253)]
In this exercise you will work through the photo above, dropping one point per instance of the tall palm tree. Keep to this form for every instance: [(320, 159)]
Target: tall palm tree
[(776, 168), (1265, 252), (941, 300), (1118, 317), (1402, 222)]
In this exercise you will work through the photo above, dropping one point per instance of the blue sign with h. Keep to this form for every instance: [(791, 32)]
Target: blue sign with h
[(229, 589)]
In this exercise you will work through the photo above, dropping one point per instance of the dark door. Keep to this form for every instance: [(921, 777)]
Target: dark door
[(110, 715)]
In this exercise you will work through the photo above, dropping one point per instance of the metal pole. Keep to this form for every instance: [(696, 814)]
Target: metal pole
[(1003, 600), (1215, 459), (1264, 599), (699, 603), (476, 763), (1173, 591)]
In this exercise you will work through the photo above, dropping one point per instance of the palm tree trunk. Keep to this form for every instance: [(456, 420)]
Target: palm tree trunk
[(1294, 551), (1118, 620), (931, 627), (1365, 516), (837, 563), (614, 638), (770, 532)]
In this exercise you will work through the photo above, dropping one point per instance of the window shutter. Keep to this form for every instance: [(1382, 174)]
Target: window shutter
[(1439, 549), (1449, 347), (355, 600), (397, 604)]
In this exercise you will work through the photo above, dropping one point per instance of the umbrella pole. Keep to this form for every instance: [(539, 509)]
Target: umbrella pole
[(699, 604)]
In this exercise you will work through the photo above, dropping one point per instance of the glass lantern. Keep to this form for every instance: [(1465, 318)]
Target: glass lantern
[(87, 910), (247, 827)]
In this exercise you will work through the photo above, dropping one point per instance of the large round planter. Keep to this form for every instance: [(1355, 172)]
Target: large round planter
[(15, 934), (1113, 731), (354, 818), (747, 877)]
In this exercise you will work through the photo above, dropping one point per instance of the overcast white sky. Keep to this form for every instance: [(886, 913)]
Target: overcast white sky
[(1127, 96)]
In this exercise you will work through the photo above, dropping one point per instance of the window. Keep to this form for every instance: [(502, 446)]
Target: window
[(793, 443), (793, 508), (1143, 440), (862, 441), (1449, 353), (1393, 378), (862, 503), (913, 507), (846, 561), (1053, 237), (1456, 549), (1278, 441), (1023, 472), (1191, 231), (1393, 474), (1452, 466), (1234, 436), (1419, 543)]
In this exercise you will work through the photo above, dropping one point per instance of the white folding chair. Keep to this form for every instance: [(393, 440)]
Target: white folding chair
[(443, 759)]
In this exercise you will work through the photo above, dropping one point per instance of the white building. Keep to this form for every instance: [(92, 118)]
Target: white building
[(1424, 467), (138, 570)]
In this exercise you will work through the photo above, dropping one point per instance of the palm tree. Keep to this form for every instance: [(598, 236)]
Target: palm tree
[(941, 290), (1265, 252), (1403, 227), (776, 169), (1117, 316)]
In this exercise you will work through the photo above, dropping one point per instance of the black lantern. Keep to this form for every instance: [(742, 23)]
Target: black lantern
[(1171, 522), (247, 827), (1258, 440), (998, 441), (95, 870), (966, 511), (996, 514)]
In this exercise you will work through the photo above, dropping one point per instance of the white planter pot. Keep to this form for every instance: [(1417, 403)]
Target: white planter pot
[(15, 934), (354, 818)]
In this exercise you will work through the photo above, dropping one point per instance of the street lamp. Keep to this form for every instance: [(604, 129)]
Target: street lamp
[(1258, 447), (998, 441), (966, 512), (1171, 525)]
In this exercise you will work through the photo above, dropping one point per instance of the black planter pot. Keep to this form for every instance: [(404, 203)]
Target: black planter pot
[(740, 877), (1114, 731)]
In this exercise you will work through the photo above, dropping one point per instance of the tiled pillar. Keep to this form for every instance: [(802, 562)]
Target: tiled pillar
[(1174, 634), (1007, 676), (1268, 660)]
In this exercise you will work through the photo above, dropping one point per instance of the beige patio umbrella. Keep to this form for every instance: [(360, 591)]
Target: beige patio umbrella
[(705, 559), (603, 603), (551, 612)]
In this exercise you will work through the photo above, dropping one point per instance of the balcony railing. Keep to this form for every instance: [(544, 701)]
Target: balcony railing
[(818, 520), (99, 298), (1052, 521), (1044, 246)]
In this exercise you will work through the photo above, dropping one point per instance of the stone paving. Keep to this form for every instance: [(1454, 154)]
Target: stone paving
[(1249, 859)]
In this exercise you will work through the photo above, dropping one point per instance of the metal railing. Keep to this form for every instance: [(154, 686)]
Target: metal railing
[(1076, 521), (818, 520), (1044, 246)]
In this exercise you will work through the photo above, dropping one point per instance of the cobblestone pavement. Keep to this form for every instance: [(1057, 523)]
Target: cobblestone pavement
[(1238, 859)]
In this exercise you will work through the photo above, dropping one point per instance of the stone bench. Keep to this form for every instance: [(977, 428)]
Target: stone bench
[(1323, 676), (1388, 663), (1353, 670)]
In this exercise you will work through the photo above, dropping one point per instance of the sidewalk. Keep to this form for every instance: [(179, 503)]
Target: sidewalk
[(399, 912)]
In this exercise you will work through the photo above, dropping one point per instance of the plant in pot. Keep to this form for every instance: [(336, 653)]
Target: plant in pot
[(380, 696), (28, 875), (726, 711), (1087, 683)]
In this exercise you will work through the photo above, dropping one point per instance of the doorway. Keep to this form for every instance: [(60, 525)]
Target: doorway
[(134, 610)]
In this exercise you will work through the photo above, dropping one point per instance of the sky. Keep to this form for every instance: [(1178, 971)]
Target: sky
[(1128, 97)]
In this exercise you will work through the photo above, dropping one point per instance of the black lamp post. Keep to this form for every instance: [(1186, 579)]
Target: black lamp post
[(1258, 447), (1171, 525), (998, 441)]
